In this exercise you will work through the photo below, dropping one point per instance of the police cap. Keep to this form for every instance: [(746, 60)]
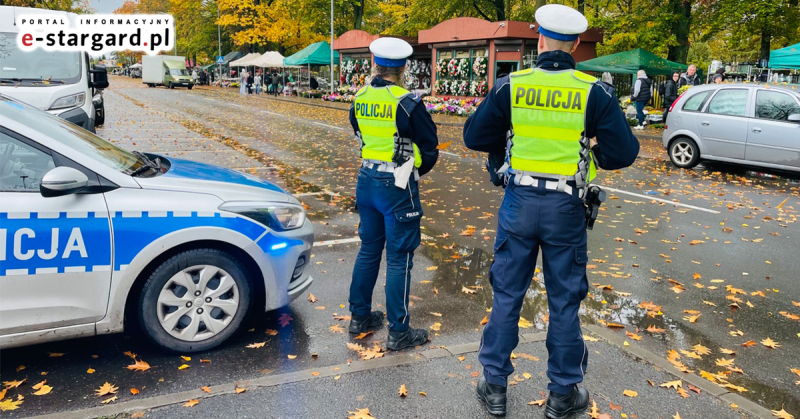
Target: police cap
[(390, 52), (560, 22)]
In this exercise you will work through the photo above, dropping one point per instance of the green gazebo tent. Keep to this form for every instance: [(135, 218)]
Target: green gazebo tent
[(629, 62), (315, 54), (785, 58)]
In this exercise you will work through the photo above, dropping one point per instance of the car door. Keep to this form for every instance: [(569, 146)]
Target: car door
[(723, 124), (55, 253), (771, 138)]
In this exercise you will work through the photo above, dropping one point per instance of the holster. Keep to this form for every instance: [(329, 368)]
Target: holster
[(494, 164), (592, 200)]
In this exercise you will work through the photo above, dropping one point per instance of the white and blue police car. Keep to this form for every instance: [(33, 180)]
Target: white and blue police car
[(92, 234)]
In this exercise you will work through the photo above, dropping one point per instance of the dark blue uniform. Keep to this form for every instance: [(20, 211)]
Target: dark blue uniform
[(533, 218), (390, 217)]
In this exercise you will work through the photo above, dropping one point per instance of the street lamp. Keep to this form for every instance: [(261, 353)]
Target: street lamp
[(332, 50)]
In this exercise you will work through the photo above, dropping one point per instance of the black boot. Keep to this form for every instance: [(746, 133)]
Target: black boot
[(364, 324), (494, 397), (407, 339), (560, 406)]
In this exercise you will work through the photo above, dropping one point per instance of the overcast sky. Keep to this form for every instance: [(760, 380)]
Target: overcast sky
[(105, 6)]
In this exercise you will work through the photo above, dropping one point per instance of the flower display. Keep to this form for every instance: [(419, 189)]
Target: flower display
[(451, 106), (452, 67), (461, 88), (463, 68), (479, 67), (441, 67), (478, 88)]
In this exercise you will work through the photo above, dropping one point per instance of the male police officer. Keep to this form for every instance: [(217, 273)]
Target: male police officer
[(398, 145), (542, 119)]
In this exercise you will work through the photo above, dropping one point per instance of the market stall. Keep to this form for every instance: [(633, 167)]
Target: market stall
[(784, 65), (317, 54), (470, 54)]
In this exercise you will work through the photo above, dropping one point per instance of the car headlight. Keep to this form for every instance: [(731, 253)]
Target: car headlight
[(70, 101), (277, 216)]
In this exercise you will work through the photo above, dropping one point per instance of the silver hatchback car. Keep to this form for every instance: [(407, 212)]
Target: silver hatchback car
[(748, 123)]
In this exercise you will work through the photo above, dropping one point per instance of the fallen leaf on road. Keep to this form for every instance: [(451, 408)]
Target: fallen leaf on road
[(749, 343), (539, 403), (138, 365), (284, 319), (207, 389), (403, 391), (365, 334), (10, 404), (423, 394), (106, 389), (360, 414), (256, 345), (701, 350), (14, 384), (55, 354), (336, 328), (630, 393), (271, 332), (594, 412), (615, 325), (436, 327), (90, 371), (43, 390), (191, 403), (240, 390), (109, 400), (613, 406), (722, 362), (672, 384), (186, 358), (466, 290), (769, 343), (524, 324), (484, 320), (782, 414), (653, 329), (692, 319), (183, 367), (311, 298), (134, 391), (291, 356)]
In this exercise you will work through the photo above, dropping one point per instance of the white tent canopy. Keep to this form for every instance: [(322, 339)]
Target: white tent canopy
[(137, 65), (246, 60), (268, 59)]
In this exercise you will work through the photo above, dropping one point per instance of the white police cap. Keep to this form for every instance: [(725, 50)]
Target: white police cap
[(561, 22), (390, 52)]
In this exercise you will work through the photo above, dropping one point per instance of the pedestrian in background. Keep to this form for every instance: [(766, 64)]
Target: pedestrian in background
[(670, 92), (721, 72), (250, 82), (642, 93), (258, 82), (548, 167), (243, 82), (398, 145), (276, 81), (690, 78), (718, 78)]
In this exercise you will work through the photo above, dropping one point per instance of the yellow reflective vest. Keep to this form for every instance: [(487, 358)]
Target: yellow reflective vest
[(376, 112), (548, 111)]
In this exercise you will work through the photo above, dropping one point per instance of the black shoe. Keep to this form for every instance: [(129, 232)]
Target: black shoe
[(494, 397), (560, 406), (367, 323), (410, 338)]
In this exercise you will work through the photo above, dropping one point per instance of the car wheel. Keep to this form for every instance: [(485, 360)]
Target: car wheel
[(684, 153), (171, 86), (194, 301), (190, 87)]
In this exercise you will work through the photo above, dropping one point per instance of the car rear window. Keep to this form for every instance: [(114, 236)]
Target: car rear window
[(696, 102)]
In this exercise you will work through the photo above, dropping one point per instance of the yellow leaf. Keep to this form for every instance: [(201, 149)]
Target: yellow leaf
[(749, 343), (240, 390), (403, 391), (186, 358), (782, 414), (677, 416), (769, 343), (722, 362), (433, 268), (191, 403), (633, 336), (19, 368), (13, 384), (336, 328), (129, 353), (10, 404), (138, 365), (466, 290), (109, 400), (422, 393), (134, 391), (311, 298), (207, 389), (90, 371), (701, 350), (106, 389), (271, 332), (436, 314), (524, 324), (183, 367), (630, 393), (539, 403), (444, 146), (360, 414), (43, 390), (291, 356), (39, 385), (692, 319), (672, 384), (54, 354), (484, 320), (257, 345), (436, 327)]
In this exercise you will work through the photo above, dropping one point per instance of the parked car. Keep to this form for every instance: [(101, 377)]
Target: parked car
[(746, 123), (91, 233)]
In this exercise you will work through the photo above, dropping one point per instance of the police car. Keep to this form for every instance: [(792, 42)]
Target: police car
[(92, 234)]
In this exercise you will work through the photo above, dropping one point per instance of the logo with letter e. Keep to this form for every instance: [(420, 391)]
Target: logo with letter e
[(548, 98), (375, 110)]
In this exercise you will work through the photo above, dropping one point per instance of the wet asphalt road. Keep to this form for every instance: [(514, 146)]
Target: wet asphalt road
[(638, 251)]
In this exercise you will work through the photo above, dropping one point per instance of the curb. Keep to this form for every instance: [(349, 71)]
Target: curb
[(395, 361)]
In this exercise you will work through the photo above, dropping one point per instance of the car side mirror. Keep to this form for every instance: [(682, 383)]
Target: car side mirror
[(99, 77), (62, 181), (794, 118)]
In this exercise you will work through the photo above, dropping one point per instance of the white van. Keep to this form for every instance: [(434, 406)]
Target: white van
[(61, 83)]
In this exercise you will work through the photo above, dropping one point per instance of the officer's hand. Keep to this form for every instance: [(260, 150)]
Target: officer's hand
[(592, 142)]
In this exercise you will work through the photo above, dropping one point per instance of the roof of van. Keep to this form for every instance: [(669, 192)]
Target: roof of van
[(10, 14)]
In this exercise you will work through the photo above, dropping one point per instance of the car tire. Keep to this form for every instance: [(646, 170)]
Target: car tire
[(217, 280), (171, 86), (683, 152), (190, 87)]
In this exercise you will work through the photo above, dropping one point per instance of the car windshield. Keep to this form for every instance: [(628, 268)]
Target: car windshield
[(72, 136), (32, 67), (179, 72)]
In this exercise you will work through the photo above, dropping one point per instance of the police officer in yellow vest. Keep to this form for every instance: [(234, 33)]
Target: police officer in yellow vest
[(553, 125), (398, 145)]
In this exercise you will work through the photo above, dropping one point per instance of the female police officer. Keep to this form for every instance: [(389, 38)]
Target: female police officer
[(398, 144), (541, 119)]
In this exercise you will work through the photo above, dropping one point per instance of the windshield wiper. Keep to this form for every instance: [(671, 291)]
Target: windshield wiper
[(30, 79), (148, 164)]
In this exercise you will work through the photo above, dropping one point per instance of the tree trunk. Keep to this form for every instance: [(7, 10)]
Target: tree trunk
[(500, 9), (582, 6), (538, 4), (358, 13), (766, 38), (682, 10)]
